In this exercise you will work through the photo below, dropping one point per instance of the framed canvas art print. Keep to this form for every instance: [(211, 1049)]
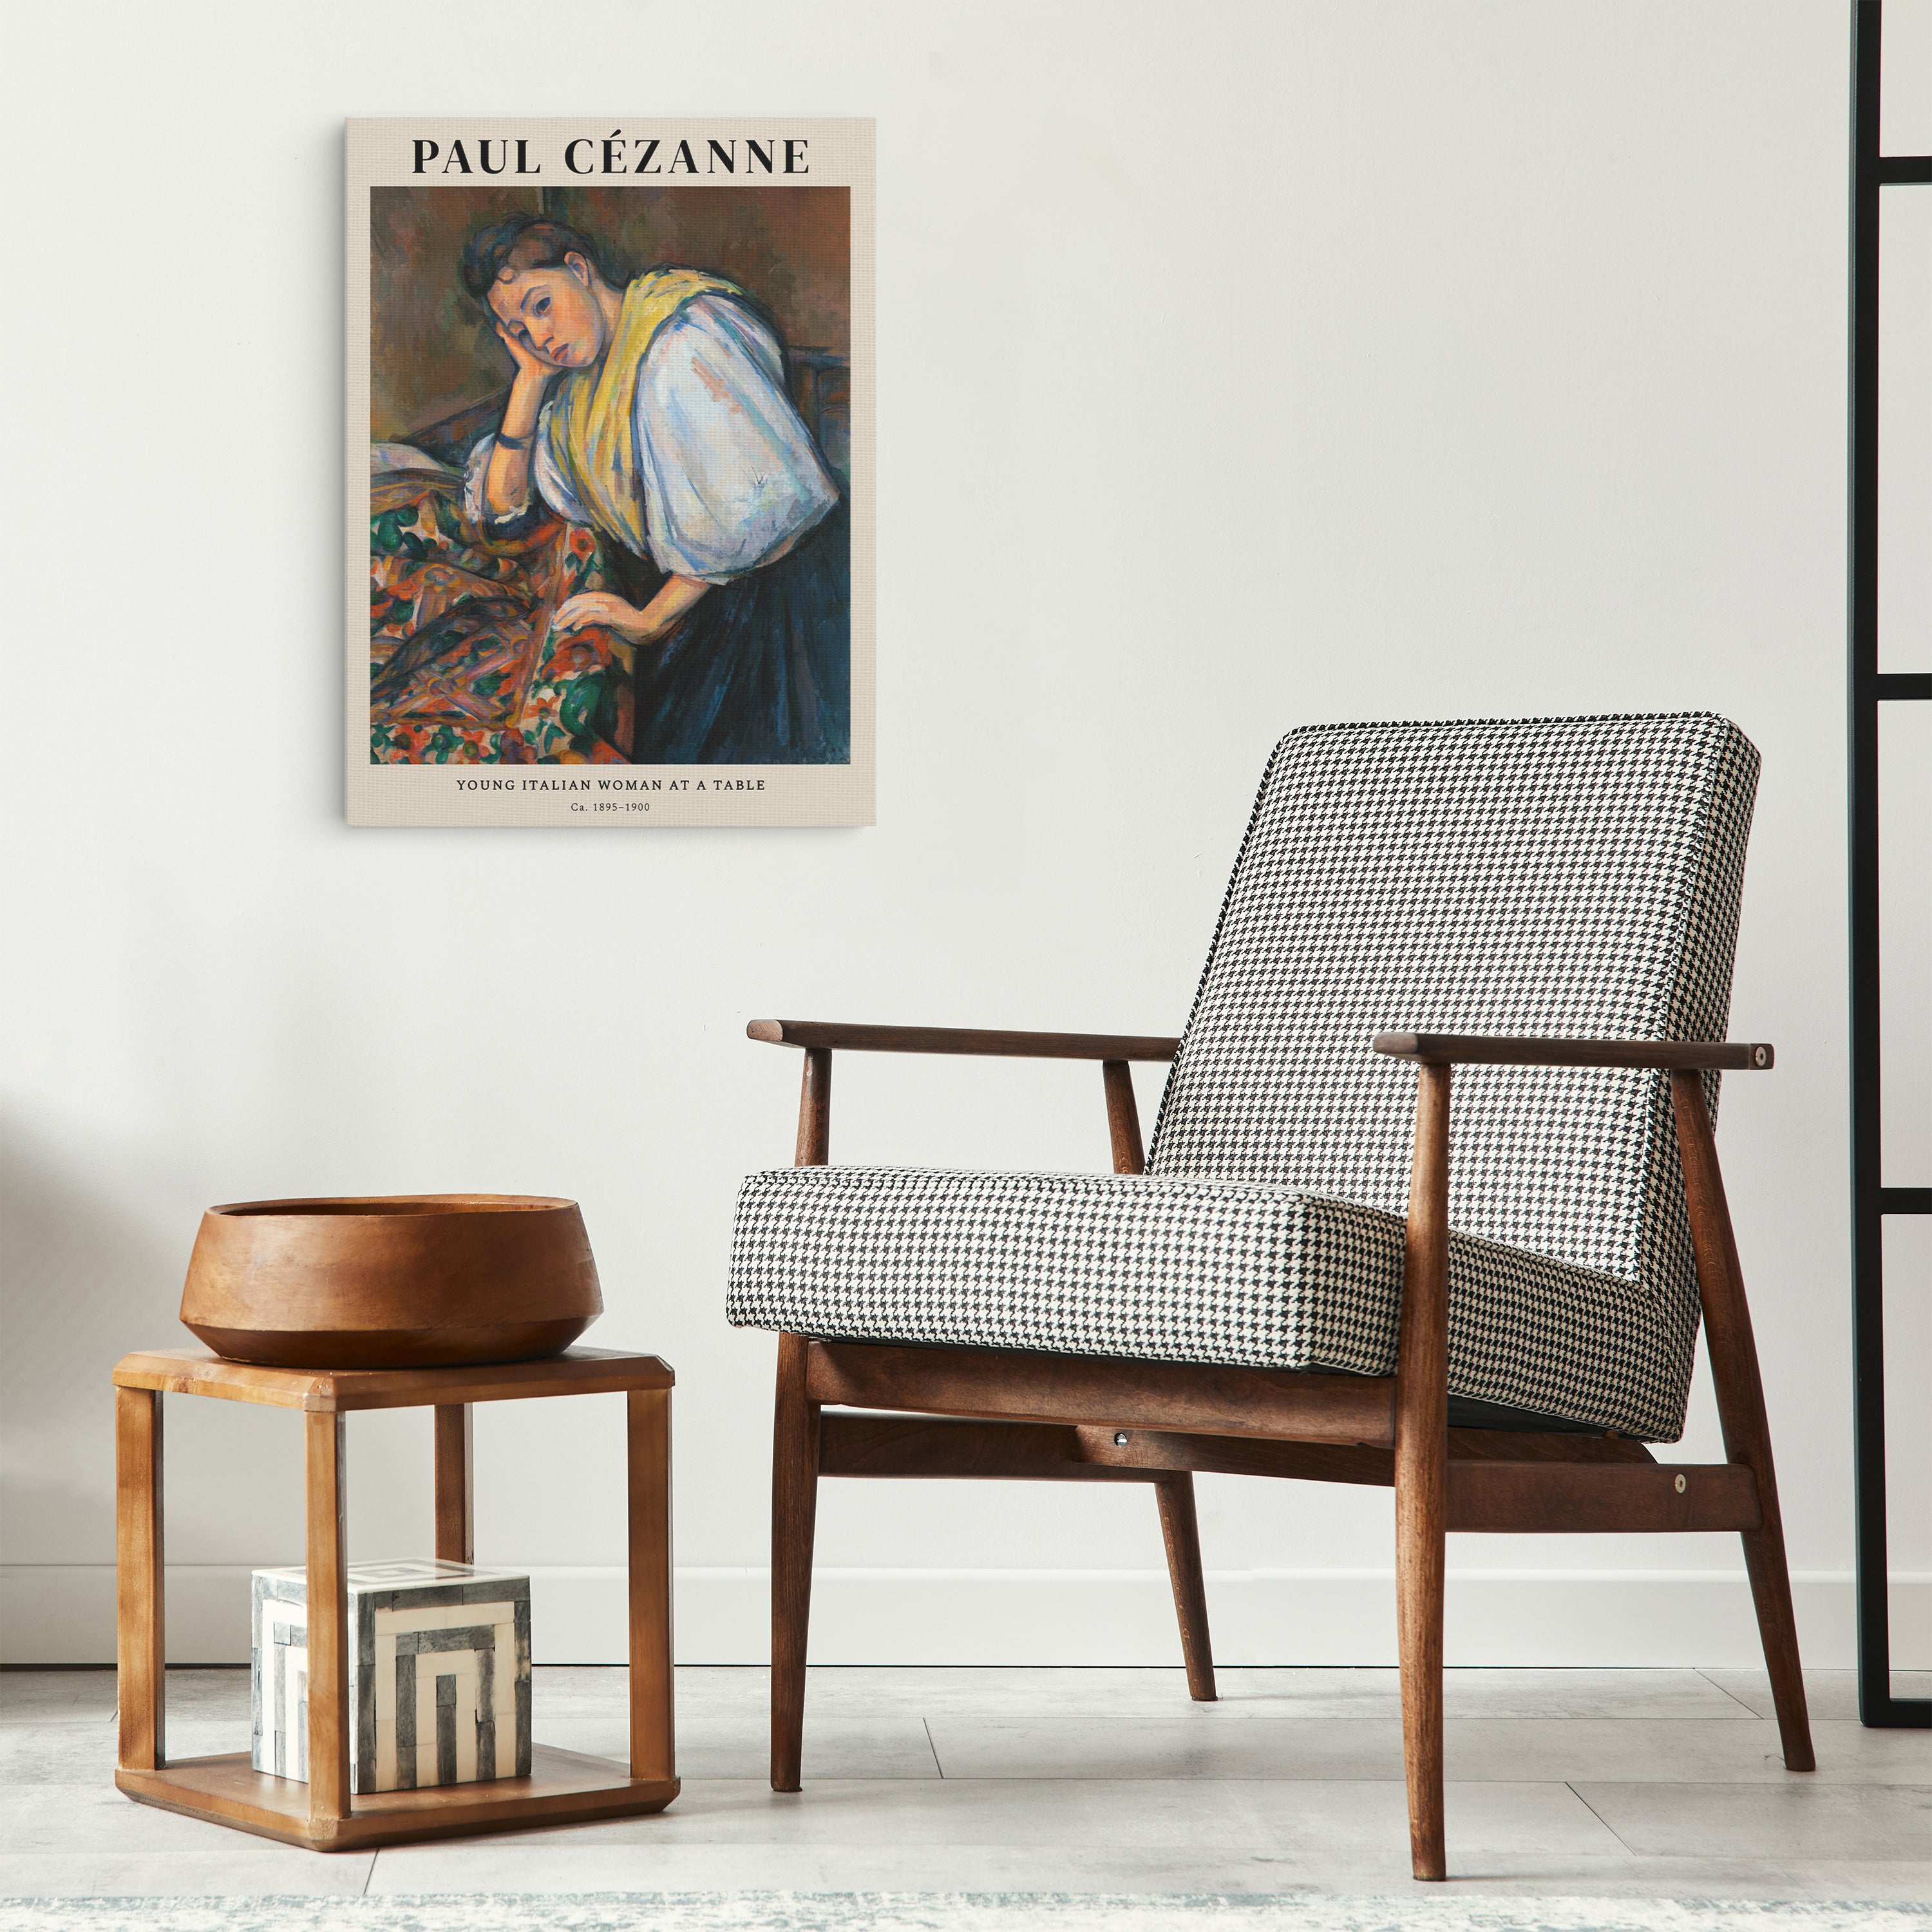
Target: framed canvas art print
[(610, 478)]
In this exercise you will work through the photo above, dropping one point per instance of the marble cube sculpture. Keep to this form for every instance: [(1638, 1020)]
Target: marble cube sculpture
[(439, 1674)]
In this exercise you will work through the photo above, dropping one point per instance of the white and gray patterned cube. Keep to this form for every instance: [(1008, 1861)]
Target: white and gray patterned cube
[(439, 1674)]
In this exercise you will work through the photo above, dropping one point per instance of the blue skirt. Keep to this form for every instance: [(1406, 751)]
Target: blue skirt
[(759, 673)]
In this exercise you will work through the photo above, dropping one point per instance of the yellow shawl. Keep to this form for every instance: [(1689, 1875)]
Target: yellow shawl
[(591, 434)]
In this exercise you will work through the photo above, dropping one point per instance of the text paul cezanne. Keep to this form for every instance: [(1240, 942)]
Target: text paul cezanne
[(639, 155)]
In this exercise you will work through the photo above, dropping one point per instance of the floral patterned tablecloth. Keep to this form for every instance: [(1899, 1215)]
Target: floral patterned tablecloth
[(464, 667)]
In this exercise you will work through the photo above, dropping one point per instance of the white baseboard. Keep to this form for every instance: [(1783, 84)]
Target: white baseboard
[(64, 1614)]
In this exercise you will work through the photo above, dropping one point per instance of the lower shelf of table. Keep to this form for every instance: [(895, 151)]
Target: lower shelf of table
[(563, 1788)]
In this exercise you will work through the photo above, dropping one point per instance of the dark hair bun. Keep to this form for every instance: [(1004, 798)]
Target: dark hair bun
[(523, 241)]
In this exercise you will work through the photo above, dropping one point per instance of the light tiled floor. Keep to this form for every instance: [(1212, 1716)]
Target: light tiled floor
[(1592, 1782)]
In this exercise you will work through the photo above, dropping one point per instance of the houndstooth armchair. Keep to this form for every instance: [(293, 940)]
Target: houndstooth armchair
[(1321, 1273)]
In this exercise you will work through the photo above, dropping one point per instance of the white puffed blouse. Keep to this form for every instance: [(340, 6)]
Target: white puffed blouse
[(729, 472)]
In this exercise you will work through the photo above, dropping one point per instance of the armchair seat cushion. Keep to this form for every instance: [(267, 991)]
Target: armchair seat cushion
[(1172, 1268)]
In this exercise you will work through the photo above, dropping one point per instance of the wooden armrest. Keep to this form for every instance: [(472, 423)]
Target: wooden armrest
[(964, 1039), (1494, 1050)]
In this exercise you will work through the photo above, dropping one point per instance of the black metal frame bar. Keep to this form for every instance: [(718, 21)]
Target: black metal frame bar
[(1871, 1201)]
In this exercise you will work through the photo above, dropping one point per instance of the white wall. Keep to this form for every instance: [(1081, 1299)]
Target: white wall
[(1352, 360)]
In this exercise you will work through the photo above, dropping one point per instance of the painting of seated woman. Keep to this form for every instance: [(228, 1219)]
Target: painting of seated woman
[(638, 551)]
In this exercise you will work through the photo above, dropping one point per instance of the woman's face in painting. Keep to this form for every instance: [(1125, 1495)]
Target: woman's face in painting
[(552, 313)]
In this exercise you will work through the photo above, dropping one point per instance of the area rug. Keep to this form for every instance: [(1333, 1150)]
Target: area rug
[(941, 1911)]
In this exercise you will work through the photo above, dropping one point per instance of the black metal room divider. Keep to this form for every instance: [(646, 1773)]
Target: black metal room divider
[(1870, 687)]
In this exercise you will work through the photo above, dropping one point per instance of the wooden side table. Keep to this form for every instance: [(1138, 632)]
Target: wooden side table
[(564, 1787)]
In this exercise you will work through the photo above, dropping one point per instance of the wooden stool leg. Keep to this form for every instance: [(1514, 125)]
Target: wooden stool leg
[(1181, 1531), (794, 1512), (653, 1743), (1421, 1470), (455, 1485), (328, 1713), (141, 1649)]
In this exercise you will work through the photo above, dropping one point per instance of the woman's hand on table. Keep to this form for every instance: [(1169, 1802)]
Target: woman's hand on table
[(657, 620), (591, 608)]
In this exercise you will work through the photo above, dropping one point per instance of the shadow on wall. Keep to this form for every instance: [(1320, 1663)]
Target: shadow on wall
[(83, 1280), (86, 1278)]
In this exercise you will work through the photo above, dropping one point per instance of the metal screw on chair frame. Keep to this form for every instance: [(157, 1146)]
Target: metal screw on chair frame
[(1120, 1439), (1682, 1485)]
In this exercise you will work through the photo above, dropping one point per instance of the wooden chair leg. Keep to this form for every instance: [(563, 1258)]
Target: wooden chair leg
[(1181, 1531), (1419, 1568), (794, 1512), (1421, 1471), (1740, 1392), (1778, 1630)]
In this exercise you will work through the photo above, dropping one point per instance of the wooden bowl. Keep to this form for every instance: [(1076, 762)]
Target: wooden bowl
[(393, 1282)]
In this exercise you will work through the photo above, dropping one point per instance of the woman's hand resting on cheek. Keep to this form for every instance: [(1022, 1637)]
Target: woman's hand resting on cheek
[(531, 367)]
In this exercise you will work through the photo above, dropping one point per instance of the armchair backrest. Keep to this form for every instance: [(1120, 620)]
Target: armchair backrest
[(1568, 876)]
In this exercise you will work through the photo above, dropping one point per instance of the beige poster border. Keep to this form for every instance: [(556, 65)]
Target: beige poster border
[(380, 154)]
